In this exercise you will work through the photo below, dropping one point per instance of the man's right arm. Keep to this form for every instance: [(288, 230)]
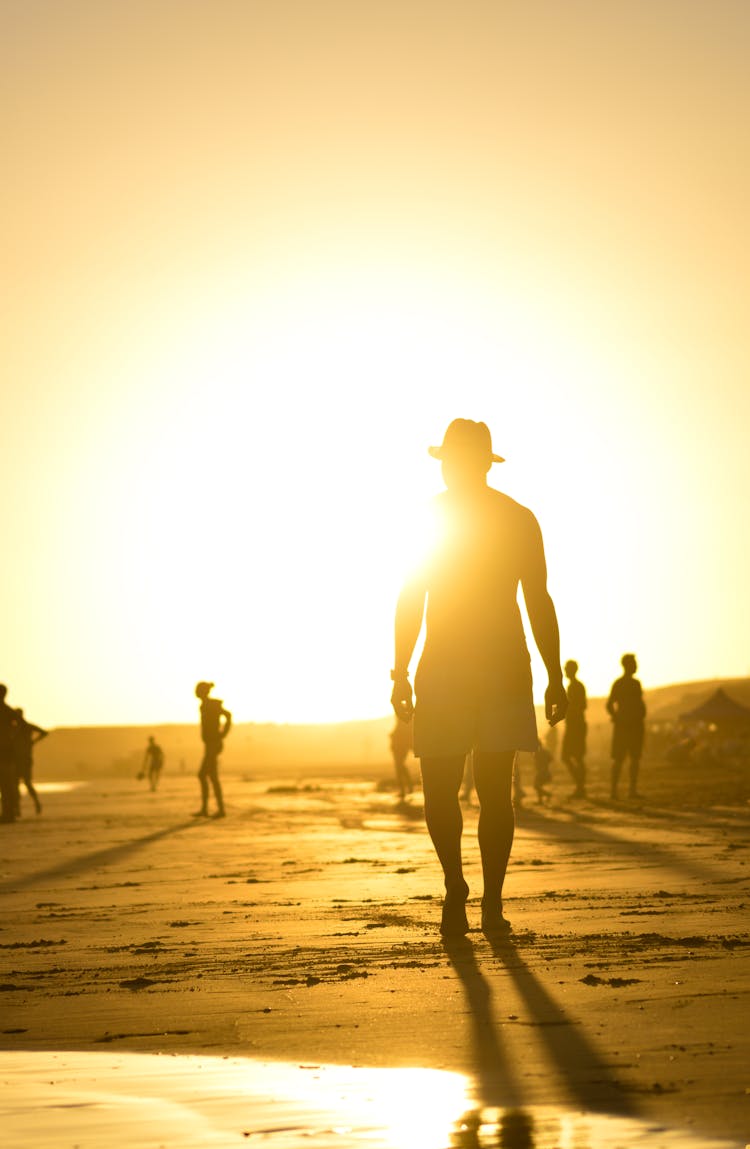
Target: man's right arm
[(409, 615), (543, 619)]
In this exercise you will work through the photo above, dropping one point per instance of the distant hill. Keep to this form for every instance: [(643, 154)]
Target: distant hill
[(81, 752)]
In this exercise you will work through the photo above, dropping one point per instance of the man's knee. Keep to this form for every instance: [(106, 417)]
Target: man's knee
[(493, 775)]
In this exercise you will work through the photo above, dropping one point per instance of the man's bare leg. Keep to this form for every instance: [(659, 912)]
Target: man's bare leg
[(617, 764), (572, 766), (493, 774), (582, 776), (218, 793), (441, 781), (203, 776)]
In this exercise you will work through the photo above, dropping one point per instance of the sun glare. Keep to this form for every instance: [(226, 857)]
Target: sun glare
[(262, 529)]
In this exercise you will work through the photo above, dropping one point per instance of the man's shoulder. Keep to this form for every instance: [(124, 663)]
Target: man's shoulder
[(520, 517), (505, 502), (517, 522)]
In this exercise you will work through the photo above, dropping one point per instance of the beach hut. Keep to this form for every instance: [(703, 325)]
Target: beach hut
[(721, 711)]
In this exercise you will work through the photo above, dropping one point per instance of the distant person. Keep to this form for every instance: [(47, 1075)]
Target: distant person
[(153, 763), (27, 734), (551, 739), (627, 710), (473, 683), (573, 751), (542, 772), (213, 733), (401, 743), (8, 772)]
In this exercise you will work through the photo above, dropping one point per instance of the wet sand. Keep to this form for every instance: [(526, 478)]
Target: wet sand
[(302, 929)]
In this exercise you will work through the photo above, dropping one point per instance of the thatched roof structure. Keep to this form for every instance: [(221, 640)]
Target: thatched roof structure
[(720, 710)]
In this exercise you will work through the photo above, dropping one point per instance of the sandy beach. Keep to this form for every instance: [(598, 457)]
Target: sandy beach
[(298, 937)]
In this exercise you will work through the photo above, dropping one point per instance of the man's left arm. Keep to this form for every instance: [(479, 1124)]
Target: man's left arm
[(226, 715), (543, 619)]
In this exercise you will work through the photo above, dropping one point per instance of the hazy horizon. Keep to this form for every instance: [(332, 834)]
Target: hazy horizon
[(738, 688)]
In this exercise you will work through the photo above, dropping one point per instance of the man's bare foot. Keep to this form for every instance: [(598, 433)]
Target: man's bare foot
[(493, 920), (454, 921)]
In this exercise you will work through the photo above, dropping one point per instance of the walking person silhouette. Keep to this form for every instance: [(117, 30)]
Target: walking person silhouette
[(573, 751), (153, 762), (213, 733), (627, 710), (473, 683)]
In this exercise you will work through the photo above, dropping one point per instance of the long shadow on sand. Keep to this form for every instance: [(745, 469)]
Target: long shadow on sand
[(588, 1078), (87, 862), (640, 851), (495, 1073)]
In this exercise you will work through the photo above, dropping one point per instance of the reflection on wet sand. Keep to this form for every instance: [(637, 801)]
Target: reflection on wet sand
[(58, 787), (142, 1100)]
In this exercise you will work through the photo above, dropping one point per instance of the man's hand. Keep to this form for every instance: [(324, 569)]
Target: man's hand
[(555, 702), (401, 698)]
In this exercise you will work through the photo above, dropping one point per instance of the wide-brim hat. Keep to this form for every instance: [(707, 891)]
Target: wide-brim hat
[(465, 437)]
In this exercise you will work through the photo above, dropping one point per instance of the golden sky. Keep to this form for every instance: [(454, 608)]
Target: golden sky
[(257, 254)]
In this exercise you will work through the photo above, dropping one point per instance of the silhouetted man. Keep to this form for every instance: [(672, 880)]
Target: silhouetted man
[(153, 761), (628, 711), (8, 774), (213, 733), (573, 751), (23, 752), (473, 683)]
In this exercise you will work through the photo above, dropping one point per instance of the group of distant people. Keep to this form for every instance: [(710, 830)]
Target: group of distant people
[(626, 708), (17, 739), (216, 722), (473, 683)]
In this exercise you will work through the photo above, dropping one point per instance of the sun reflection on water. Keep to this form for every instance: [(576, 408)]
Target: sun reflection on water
[(58, 787), (418, 1106), (135, 1101)]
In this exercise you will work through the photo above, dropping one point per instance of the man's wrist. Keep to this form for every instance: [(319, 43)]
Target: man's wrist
[(399, 675)]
